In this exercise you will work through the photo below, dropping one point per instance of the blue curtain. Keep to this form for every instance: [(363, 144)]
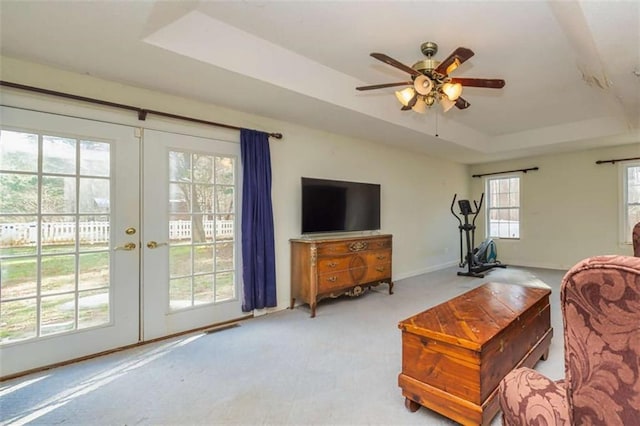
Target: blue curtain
[(258, 253)]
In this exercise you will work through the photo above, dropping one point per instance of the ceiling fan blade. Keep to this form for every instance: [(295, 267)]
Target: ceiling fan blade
[(382, 86), (390, 61), (458, 56), (488, 83), (462, 104)]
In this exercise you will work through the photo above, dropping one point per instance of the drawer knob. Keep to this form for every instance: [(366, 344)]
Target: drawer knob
[(381, 257), (380, 269), (332, 279), (333, 265)]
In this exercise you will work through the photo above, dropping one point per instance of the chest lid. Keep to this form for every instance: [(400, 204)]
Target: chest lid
[(474, 318)]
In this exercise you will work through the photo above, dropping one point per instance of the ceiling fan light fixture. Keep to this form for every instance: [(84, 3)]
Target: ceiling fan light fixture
[(429, 100), (423, 84), (404, 96), (420, 105), (452, 90), (446, 103)]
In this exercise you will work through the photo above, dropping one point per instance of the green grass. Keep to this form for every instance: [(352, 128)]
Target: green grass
[(20, 269)]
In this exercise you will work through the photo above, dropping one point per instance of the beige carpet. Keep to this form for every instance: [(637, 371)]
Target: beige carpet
[(281, 369)]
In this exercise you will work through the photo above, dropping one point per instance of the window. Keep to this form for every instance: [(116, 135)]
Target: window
[(503, 207), (631, 199)]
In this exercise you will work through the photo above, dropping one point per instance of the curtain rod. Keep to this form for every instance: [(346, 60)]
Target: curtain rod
[(507, 171), (142, 112), (616, 160)]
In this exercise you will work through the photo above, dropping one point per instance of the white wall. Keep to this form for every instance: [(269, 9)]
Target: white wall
[(416, 189), (570, 208)]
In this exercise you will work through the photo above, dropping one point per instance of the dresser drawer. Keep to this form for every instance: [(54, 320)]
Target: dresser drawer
[(377, 272), (377, 257), (330, 264), (353, 246), (338, 280), (336, 248)]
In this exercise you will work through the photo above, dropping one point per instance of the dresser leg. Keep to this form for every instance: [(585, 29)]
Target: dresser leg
[(411, 405), (293, 303), (390, 287), (313, 310)]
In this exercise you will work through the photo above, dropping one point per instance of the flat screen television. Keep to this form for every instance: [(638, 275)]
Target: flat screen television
[(339, 206)]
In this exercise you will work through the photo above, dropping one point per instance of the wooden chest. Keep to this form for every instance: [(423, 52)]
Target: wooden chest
[(331, 267), (455, 354)]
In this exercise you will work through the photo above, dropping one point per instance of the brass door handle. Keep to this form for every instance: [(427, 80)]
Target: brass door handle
[(127, 247), (153, 244), (380, 269)]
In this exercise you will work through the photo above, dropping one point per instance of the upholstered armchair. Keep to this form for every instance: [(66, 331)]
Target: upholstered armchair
[(635, 235), (600, 301)]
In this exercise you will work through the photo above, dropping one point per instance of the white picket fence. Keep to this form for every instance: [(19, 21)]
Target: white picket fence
[(17, 234)]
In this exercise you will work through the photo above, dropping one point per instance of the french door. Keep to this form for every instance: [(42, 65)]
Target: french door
[(68, 246), (109, 237), (191, 250)]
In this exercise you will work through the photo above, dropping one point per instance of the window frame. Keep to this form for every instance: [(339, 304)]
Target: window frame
[(625, 225), (489, 208)]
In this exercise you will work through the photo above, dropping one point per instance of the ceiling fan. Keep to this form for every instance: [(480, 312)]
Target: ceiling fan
[(430, 81)]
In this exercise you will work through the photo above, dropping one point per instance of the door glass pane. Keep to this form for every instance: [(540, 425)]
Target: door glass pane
[(224, 257), (93, 232), (19, 320), (203, 289), (58, 194), (93, 308), (224, 286), (58, 314), (94, 196), (201, 228), (19, 277), (93, 270), (58, 234), (18, 151), (95, 158), (58, 274), (23, 191), (58, 155), (180, 293), (203, 259), (18, 235), (224, 171), (46, 286)]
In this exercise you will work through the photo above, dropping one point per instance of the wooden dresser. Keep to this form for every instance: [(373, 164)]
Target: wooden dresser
[(455, 354), (331, 267)]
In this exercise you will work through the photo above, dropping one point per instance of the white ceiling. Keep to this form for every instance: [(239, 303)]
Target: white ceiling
[(300, 61)]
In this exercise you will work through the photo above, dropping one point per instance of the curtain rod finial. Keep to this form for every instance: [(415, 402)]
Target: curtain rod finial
[(276, 135)]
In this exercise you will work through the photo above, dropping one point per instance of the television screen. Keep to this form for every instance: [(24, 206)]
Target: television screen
[(339, 206)]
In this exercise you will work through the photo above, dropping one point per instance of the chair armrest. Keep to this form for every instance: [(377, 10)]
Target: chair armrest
[(529, 398)]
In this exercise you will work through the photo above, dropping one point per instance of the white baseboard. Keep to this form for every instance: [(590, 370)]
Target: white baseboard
[(526, 264), (426, 270)]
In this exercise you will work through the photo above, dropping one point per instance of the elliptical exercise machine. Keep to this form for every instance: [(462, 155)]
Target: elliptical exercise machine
[(483, 257)]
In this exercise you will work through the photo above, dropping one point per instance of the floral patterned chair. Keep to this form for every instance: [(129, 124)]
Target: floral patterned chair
[(636, 240), (600, 299)]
